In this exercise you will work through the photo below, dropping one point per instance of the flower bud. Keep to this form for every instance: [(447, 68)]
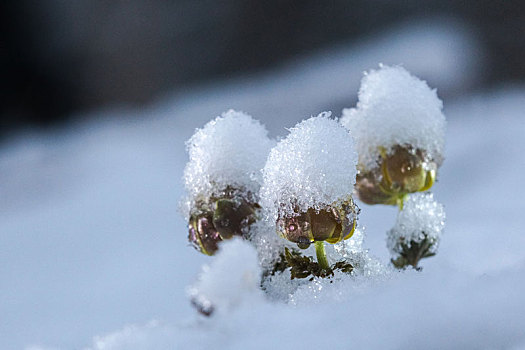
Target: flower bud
[(222, 178), (401, 171), (368, 188), (399, 128), (224, 218), (231, 216), (331, 225), (406, 170)]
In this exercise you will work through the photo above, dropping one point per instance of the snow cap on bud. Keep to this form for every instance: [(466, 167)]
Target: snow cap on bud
[(223, 178), (228, 151), (399, 128), (308, 182), (418, 229), (394, 109)]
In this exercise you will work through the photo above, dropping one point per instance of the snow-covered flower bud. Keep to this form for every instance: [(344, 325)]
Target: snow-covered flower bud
[(417, 231), (223, 178), (399, 128), (308, 183)]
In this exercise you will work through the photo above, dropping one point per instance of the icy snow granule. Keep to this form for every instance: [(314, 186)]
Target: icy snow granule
[(233, 277), (395, 108), (228, 151), (314, 166), (421, 217)]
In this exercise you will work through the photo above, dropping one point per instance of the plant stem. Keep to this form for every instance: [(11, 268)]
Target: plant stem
[(321, 255), (401, 202)]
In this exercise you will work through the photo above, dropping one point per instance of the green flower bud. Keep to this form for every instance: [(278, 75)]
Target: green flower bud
[(402, 171), (332, 225), (406, 170)]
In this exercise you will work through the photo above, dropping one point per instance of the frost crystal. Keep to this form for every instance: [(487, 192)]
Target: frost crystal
[(228, 151), (314, 166), (232, 278), (395, 108), (422, 218)]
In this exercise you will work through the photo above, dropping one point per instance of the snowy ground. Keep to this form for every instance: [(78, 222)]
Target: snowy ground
[(93, 252)]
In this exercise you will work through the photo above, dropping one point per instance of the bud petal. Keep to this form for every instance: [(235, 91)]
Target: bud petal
[(203, 235)]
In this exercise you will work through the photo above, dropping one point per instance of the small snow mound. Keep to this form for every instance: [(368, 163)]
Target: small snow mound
[(314, 166), (228, 151), (233, 277), (422, 217), (153, 335), (395, 108), (342, 286)]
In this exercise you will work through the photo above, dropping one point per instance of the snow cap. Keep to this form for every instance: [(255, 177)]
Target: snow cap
[(395, 108), (313, 167), (228, 151)]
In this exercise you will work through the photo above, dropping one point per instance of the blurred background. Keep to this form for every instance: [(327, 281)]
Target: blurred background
[(61, 57), (98, 98)]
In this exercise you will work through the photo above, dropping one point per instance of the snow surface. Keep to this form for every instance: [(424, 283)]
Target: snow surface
[(422, 217), (313, 167), (230, 150), (395, 108), (93, 250)]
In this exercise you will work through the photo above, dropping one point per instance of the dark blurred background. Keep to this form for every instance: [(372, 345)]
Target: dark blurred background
[(65, 56)]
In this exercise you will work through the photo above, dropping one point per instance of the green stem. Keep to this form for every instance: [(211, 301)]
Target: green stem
[(321, 255), (401, 202)]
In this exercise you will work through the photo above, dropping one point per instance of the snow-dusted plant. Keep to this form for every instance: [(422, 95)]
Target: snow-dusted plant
[(297, 193), (308, 182), (222, 178), (417, 231), (399, 129)]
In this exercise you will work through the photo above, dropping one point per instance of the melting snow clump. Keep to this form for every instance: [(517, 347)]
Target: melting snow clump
[(421, 218), (395, 108)]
